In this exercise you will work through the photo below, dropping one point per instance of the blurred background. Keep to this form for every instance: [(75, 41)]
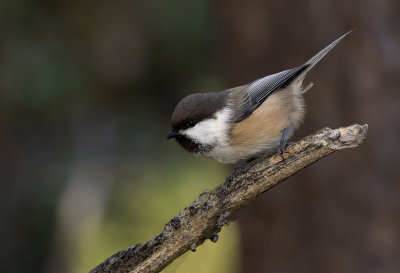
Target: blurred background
[(86, 93)]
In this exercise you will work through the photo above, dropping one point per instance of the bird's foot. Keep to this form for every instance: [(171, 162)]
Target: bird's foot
[(250, 160), (283, 143)]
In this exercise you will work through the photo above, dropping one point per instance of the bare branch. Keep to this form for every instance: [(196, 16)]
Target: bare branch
[(213, 209)]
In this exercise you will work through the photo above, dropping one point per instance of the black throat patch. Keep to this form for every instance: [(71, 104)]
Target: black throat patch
[(192, 146)]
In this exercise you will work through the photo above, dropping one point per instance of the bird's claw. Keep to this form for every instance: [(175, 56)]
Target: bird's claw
[(283, 143), (281, 150)]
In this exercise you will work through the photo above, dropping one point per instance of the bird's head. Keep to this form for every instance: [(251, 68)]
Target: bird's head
[(199, 120)]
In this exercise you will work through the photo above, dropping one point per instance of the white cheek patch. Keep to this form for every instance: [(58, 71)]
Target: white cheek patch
[(211, 131)]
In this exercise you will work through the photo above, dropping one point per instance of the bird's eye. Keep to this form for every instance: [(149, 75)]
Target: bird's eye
[(190, 123)]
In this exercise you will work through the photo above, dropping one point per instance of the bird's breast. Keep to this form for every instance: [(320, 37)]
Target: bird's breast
[(262, 130)]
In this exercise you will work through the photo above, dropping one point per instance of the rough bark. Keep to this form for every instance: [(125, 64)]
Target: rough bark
[(204, 218)]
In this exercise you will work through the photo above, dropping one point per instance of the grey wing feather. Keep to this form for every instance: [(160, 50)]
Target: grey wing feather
[(258, 91)]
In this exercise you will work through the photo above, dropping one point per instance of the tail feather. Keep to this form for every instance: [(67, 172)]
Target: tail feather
[(259, 90), (317, 57)]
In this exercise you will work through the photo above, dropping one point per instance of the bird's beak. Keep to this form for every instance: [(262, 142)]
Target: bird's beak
[(172, 134)]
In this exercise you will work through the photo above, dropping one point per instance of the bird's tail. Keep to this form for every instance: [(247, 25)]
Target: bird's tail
[(317, 57)]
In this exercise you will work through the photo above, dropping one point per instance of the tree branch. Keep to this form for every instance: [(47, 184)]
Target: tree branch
[(213, 209)]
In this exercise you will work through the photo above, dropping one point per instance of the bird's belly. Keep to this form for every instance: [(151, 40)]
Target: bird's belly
[(229, 154), (261, 132)]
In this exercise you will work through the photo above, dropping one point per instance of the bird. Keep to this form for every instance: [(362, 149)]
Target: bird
[(245, 122)]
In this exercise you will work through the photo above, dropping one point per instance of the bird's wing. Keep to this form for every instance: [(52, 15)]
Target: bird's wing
[(258, 91)]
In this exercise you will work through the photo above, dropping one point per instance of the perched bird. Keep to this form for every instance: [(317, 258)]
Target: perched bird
[(246, 121)]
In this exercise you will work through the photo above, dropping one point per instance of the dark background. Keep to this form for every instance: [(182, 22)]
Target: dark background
[(86, 92)]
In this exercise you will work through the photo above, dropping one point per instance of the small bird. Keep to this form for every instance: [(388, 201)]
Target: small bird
[(244, 122)]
